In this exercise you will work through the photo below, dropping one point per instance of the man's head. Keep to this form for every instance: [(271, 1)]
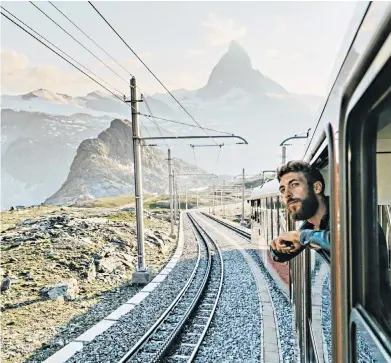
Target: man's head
[(301, 187)]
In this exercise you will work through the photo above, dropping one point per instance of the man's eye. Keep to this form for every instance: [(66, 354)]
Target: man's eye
[(295, 184)]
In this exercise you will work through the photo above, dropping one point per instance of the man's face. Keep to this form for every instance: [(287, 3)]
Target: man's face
[(298, 197)]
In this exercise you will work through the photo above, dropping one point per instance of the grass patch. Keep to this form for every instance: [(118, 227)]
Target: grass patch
[(112, 202), (10, 218), (108, 202), (122, 216)]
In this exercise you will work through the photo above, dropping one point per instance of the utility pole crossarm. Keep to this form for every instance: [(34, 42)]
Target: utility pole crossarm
[(291, 138), (207, 145), (195, 137)]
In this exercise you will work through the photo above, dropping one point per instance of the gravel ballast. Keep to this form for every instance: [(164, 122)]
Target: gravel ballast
[(235, 332), (282, 306)]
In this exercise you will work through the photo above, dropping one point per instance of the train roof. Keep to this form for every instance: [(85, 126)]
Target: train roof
[(270, 188)]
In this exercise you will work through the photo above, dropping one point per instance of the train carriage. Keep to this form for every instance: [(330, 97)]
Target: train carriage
[(342, 301)]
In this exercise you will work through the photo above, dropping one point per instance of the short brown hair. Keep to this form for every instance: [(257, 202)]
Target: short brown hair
[(311, 173)]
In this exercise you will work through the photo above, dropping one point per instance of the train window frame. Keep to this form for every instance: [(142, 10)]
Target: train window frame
[(359, 199), (323, 155)]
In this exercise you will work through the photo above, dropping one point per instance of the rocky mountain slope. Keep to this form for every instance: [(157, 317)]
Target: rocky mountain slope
[(103, 167)]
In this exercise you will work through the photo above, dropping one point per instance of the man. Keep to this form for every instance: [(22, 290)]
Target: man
[(302, 190)]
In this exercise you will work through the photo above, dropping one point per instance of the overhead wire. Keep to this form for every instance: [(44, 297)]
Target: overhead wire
[(114, 60), (70, 35), (81, 65), (186, 124), (217, 160), (150, 71), (157, 126), (59, 49), (195, 161), (47, 46), (92, 40), (151, 116)]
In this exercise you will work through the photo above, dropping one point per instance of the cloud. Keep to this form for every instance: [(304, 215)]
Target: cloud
[(194, 53), (222, 31), (296, 56), (19, 76), (12, 61), (281, 24), (272, 52)]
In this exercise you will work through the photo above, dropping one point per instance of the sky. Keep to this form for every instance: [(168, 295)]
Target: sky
[(294, 43)]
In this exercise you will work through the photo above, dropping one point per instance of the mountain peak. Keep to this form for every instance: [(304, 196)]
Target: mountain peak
[(236, 57), (235, 47), (234, 70)]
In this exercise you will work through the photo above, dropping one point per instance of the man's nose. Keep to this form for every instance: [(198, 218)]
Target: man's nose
[(287, 193)]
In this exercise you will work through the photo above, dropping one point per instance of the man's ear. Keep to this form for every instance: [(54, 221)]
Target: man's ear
[(318, 187)]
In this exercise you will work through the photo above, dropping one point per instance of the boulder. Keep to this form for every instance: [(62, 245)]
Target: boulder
[(68, 290), (5, 284)]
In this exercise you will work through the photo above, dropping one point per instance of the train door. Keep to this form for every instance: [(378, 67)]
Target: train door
[(363, 321)]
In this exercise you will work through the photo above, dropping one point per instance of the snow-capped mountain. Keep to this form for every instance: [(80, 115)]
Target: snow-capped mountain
[(41, 130)]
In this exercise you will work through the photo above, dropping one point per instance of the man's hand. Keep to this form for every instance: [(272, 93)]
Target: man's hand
[(292, 236)]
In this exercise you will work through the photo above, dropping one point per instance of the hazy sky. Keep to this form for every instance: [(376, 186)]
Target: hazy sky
[(294, 43)]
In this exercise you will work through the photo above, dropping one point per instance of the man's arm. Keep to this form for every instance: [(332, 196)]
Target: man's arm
[(300, 240)]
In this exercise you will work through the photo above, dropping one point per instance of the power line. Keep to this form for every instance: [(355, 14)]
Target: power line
[(92, 40), (157, 126), (195, 161), (150, 71), (142, 124), (145, 128), (155, 123), (186, 124), (81, 65), (61, 56), (127, 82), (217, 160)]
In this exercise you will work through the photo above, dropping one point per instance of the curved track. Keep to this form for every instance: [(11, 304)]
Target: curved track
[(180, 330)]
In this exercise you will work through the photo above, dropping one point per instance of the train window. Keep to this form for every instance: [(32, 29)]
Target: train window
[(383, 160), (383, 186)]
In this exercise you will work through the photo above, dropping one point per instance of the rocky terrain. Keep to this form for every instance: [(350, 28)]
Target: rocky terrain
[(65, 268)]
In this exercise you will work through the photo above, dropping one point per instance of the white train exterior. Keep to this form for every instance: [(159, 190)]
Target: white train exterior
[(339, 300)]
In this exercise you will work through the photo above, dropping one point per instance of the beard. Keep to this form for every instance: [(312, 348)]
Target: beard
[(309, 206)]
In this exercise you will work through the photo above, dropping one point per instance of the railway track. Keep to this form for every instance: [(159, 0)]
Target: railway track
[(180, 330), (237, 230)]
